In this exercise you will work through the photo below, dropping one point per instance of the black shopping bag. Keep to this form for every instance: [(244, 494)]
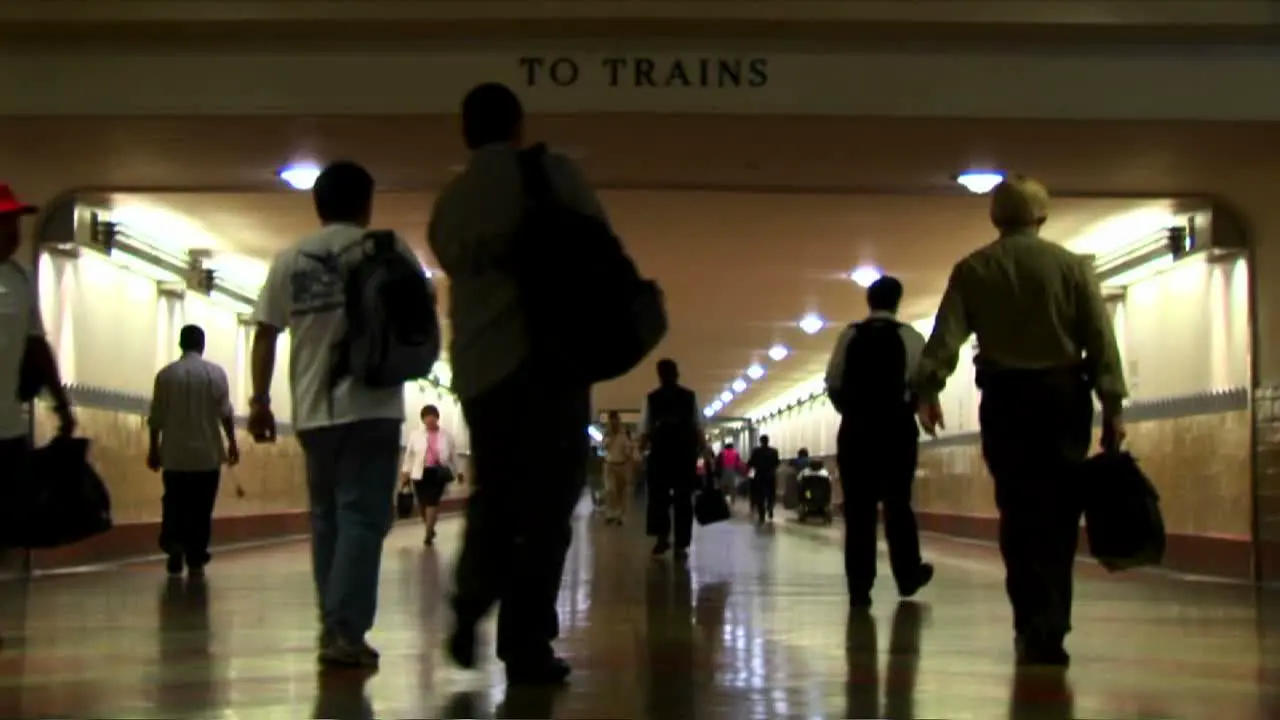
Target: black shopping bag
[(404, 503), (710, 507), (64, 500), (1122, 513)]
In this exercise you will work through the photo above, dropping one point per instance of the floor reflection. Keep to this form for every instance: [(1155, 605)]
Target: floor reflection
[(190, 674), (341, 695), (863, 688)]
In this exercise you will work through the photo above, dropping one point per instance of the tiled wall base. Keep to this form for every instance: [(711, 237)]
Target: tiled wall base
[(139, 539), (1199, 555)]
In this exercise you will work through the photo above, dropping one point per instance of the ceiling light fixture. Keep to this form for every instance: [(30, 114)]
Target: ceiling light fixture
[(707, 411), (739, 385), (778, 352), (865, 275), (300, 177), (755, 372), (980, 182), (812, 323), (715, 406), (726, 396)]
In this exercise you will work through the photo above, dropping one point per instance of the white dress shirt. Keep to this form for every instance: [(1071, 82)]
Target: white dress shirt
[(415, 453), (189, 403)]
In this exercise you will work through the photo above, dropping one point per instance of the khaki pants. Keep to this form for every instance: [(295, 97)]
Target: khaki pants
[(617, 489)]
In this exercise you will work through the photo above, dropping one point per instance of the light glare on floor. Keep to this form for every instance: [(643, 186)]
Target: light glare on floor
[(300, 177)]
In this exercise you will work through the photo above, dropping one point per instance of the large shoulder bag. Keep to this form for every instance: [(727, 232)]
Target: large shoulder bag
[(590, 316)]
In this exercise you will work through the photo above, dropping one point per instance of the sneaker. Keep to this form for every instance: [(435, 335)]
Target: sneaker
[(345, 653)]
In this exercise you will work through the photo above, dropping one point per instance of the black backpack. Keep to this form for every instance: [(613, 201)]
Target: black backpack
[(874, 384), (590, 316), (392, 334)]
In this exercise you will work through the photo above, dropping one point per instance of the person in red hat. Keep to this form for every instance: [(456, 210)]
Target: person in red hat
[(27, 363)]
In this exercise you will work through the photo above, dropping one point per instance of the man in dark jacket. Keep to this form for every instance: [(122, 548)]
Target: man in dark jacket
[(671, 429), (764, 464)]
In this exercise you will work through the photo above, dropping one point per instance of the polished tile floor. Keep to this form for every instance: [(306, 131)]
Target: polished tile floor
[(754, 627)]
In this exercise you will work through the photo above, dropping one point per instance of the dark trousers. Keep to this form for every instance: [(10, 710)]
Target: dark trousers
[(764, 495), (529, 446), (186, 523), (877, 471), (1036, 429), (672, 477)]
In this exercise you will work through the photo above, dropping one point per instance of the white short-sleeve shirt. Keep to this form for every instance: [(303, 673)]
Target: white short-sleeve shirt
[(19, 320), (301, 297)]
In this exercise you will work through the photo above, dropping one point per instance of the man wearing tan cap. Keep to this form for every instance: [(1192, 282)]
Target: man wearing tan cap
[(1045, 343)]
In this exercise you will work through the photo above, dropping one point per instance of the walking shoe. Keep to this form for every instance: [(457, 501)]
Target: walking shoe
[(174, 565), (1031, 651), (461, 646), (860, 601), (923, 578), (552, 671), (195, 572), (345, 653), (660, 548)]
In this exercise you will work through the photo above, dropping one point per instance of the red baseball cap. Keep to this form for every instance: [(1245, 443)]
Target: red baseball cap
[(10, 205)]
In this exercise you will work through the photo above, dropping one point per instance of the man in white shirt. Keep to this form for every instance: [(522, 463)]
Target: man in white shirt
[(528, 432), (350, 433), (430, 464), (190, 414), (27, 363), (877, 447)]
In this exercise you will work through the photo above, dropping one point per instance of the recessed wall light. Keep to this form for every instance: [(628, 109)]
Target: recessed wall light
[(812, 323), (755, 372), (739, 385), (980, 182), (300, 177), (778, 352), (865, 275)]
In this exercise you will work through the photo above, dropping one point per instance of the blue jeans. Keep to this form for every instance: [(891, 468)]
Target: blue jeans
[(351, 474)]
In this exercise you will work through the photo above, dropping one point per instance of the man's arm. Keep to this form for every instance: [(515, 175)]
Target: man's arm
[(226, 412), (950, 331), (835, 366), (1098, 337), (155, 420), (43, 361), (263, 361), (272, 316)]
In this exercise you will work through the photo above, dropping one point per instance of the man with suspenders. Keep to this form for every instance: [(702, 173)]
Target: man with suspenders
[(877, 446)]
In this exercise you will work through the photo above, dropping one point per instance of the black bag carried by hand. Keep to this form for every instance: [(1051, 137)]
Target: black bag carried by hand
[(1122, 513), (404, 502), (64, 501), (710, 507)]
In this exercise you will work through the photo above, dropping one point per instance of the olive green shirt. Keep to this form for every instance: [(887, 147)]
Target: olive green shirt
[(1033, 305)]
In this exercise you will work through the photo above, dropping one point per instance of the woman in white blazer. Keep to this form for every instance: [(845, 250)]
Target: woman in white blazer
[(429, 463)]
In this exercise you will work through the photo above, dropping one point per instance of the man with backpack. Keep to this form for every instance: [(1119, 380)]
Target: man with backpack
[(526, 413), (878, 442), (361, 319), (672, 432)]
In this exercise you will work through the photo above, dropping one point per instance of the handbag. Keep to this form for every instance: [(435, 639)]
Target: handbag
[(405, 502), (1123, 521), (710, 507), (67, 504)]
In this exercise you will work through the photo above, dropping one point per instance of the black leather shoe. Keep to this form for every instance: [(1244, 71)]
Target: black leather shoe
[(923, 578), (552, 671), (462, 646), (1033, 652)]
